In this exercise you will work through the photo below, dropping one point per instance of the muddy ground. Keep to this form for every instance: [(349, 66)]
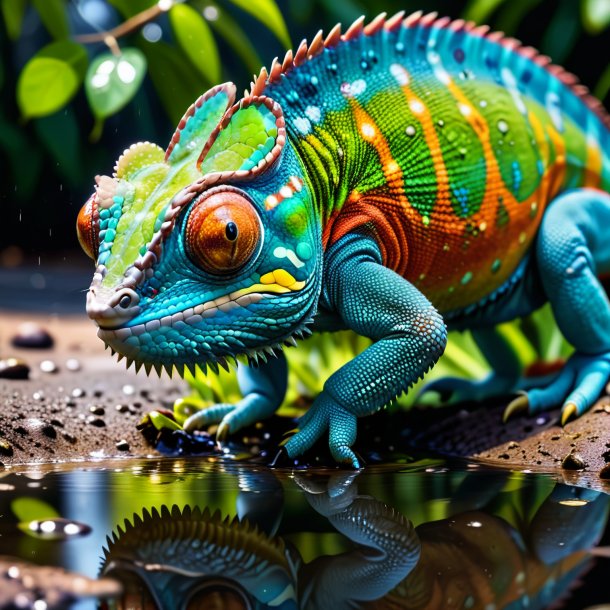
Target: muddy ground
[(85, 406)]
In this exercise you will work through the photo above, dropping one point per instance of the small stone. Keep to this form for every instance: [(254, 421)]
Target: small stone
[(32, 336), (555, 437), (607, 408), (122, 445), (573, 461), (49, 431), (504, 456), (78, 393), (513, 445), (48, 366), (69, 438), (122, 408), (5, 447), (97, 410), (72, 364), (96, 421), (14, 368), (604, 473)]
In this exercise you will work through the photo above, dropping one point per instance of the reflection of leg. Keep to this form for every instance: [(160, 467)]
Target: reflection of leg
[(260, 499), (571, 250), (263, 388), (568, 521), (501, 381), (387, 547)]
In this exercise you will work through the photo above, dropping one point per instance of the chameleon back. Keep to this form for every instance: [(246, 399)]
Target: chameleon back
[(446, 143)]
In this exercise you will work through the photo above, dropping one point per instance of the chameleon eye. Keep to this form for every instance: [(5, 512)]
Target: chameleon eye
[(222, 232), (87, 228)]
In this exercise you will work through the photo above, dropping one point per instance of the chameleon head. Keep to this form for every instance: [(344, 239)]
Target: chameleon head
[(207, 256)]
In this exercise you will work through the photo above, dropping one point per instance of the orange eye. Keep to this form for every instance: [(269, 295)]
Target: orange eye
[(87, 228), (222, 232)]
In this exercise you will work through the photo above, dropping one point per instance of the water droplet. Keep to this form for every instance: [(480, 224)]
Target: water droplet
[(474, 524), (57, 529), (466, 278), (495, 266), (410, 130), (574, 502), (502, 126), (440, 123)]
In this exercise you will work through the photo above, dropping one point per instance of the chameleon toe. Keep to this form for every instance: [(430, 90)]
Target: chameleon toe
[(519, 405), (568, 413)]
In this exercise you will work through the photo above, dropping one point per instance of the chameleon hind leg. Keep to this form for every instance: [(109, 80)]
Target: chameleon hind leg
[(571, 251), (409, 337), (263, 388), (506, 370)]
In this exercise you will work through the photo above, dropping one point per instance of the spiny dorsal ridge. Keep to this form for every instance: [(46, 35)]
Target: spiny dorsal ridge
[(394, 22), (375, 25), (275, 70), (287, 63), (301, 55), (317, 44), (444, 22), (429, 19), (355, 29), (333, 38), (412, 19), (260, 82)]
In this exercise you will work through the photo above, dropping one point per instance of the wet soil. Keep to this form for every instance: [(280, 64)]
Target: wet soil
[(86, 406)]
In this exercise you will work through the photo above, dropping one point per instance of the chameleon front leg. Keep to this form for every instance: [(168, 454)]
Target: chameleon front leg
[(263, 388), (409, 336)]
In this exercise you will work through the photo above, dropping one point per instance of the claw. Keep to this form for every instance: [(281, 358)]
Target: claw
[(290, 432), (222, 433), (281, 457), (520, 404), (568, 413)]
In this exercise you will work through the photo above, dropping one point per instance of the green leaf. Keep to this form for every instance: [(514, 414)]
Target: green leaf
[(53, 16), (112, 81), (595, 15), (268, 13), (195, 37), (237, 39), (51, 78), (12, 14), (173, 77), (129, 8), (32, 509)]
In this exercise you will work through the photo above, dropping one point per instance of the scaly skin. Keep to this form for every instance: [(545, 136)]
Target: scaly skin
[(405, 175)]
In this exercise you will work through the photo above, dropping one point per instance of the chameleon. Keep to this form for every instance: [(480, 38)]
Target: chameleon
[(404, 178)]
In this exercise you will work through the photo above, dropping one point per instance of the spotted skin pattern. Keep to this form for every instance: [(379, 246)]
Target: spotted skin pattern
[(405, 175)]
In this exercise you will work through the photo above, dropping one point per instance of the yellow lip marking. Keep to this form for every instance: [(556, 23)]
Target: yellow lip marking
[(279, 281)]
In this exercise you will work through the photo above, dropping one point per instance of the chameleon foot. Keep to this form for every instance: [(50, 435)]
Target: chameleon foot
[(325, 414), (577, 387)]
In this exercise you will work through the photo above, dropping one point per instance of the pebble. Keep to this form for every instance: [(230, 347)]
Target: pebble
[(96, 421), (78, 393), (14, 368), (122, 408), (573, 461), (32, 336), (122, 445), (604, 473), (5, 447), (48, 366), (97, 410), (72, 364), (49, 431)]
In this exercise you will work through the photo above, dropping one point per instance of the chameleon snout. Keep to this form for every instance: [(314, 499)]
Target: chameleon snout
[(114, 310)]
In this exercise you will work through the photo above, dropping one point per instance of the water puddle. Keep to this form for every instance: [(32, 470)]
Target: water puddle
[(188, 533)]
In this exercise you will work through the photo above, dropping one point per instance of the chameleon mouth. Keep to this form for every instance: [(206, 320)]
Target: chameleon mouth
[(117, 338)]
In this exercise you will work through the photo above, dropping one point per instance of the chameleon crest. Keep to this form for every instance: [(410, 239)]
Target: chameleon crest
[(405, 176)]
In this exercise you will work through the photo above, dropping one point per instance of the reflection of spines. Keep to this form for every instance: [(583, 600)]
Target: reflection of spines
[(175, 532)]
